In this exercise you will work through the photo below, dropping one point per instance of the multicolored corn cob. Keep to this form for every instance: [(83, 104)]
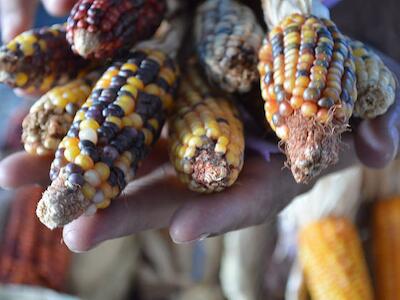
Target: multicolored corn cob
[(386, 242), (376, 84), (110, 136), (331, 255), (307, 78), (39, 59), (31, 254), (51, 116), (228, 38), (99, 28), (206, 137)]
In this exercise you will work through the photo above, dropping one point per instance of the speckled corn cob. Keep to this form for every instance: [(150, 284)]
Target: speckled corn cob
[(331, 255), (31, 254), (206, 137), (376, 84), (100, 28), (386, 245), (307, 78), (39, 59), (51, 116), (109, 137), (228, 38)]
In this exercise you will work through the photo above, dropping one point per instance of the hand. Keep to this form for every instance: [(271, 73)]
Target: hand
[(18, 15), (158, 200)]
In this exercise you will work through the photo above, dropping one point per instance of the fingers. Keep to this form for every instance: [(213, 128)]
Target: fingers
[(16, 16), (377, 140), (21, 169), (58, 7), (261, 191), (147, 203)]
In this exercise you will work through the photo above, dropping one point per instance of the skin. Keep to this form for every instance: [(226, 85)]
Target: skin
[(158, 200)]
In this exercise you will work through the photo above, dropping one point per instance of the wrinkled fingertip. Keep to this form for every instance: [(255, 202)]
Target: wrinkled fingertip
[(58, 8), (376, 145), (77, 237)]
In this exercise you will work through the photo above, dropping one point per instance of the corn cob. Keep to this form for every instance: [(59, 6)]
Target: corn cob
[(110, 135), (51, 116), (307, 80), (206, 137), (334, 266), (100, 28), (386, 239), (376, 85), (30, 253), (39, 59), (228, 38)]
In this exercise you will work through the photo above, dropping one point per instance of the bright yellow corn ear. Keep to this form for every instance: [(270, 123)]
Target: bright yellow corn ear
[(386, 243), (331, 255)]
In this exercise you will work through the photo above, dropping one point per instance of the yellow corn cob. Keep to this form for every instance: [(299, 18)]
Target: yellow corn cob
[(376, 84), (307, 78), (40, 59), (51, 116), (206, 137), (332, 258), (386, 244), (101, 152)]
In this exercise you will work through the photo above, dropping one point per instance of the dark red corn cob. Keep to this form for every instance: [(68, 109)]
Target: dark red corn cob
[(99, 28), (30, 253)]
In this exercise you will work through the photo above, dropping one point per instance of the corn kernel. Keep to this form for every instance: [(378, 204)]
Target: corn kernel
[(136, 82), (106, 203), (117, 121), (21, 79), (88, 191), (89, 123), (71, 153), (84, 161)]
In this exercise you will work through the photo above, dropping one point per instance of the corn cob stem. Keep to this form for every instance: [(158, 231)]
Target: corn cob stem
[(206, 137), (386, 242), (228, 38), (51, 116), (333, 262), (376, 84), (109, 137), (39, 59), (98, 28), (308, 82)]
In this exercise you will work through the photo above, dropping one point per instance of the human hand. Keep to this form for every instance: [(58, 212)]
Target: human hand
[(158, 200), (18, 15)]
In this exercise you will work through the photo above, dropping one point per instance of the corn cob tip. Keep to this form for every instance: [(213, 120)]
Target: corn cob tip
[(61, 205), (7, 67), (86, 43), (311, 147), (210, 169)]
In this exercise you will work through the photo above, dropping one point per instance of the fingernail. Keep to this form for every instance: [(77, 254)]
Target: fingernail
[(70, 239), (201, 237)]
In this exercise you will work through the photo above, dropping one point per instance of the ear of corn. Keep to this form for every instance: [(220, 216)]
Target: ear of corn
[(332, 258), (109, 137), (228, 38), (39, 59), (206, 137), (51, 116), (307, 79), (31, 254), (99, 28), (386, 242), (376, 84)]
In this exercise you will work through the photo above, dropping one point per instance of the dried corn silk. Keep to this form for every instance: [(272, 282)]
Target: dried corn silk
[(39, 59), (98, 28), (228, 38), (206, 137), (307, 79)]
